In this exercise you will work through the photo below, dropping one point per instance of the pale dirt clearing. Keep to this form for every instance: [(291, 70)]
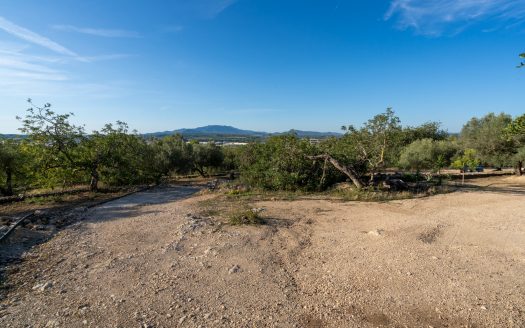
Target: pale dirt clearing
[(455, 260)]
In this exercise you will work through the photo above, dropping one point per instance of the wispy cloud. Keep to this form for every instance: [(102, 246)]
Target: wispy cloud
[(437, 17), (107, 33), (212, 8), (34, 38)]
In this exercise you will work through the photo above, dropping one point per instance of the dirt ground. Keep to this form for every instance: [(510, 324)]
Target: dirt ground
[(453, 260)]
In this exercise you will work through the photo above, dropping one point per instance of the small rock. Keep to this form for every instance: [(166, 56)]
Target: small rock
[(483, 307), (234, 269), (52, 323), (181, 320), (207, 316), (375, 232), (43, 286)]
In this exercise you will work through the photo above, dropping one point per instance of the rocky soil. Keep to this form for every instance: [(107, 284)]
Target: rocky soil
[(455, 260)]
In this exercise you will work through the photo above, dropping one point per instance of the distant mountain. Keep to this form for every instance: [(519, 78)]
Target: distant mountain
[(220, 130), (12, 136), (225, 130), (217, 132), (310, 134)]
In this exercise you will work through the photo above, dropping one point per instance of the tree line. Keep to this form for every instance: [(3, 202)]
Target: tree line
[(58, 153)]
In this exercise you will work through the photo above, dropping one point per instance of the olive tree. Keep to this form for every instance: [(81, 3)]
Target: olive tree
[(280, 163), (206, 156), (427, 154), (487, 136), (468, 159), (11, 162), (515, 131), (376, 143), (64, 149), (170, 154)]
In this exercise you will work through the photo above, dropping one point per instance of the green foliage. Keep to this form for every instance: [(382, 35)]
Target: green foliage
[(11, 166), (516, 128), (63, 154), (170, 154), (248, 217), (467, 159), (280, 163), (206, 157), (519, 156), (427, 154), (428, 130), (377, 142), (232, 155), (487, 136)]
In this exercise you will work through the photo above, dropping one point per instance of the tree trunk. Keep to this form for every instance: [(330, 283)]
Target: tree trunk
[(201, 171), (519, 166), (93, 185), (9, 182), (346, 170)]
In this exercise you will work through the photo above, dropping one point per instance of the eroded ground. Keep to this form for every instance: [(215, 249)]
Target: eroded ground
[(454, 260)]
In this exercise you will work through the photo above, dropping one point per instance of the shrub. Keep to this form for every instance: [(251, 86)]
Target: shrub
[(249, 217), (280, 163)]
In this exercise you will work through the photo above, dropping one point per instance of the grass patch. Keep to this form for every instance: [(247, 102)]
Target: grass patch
[(247, 217), (367, 195), (45, 200)]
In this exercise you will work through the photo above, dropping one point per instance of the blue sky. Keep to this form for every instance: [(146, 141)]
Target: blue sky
[(261, 64)]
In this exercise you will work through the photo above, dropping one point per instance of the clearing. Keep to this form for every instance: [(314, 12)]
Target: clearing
[(151, 260)]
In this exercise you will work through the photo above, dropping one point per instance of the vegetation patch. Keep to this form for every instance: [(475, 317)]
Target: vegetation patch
[(247, 217)]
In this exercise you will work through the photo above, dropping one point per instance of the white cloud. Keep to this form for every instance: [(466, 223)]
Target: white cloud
[(34, 38), (436, 17), (108, 33)]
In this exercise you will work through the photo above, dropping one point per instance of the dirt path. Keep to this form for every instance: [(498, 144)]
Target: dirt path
[(453, 260)]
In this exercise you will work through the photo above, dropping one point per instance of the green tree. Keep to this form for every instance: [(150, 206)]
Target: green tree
[(468, 159), (170, 154), (487, 136), (280, 163), (11, 163), (428, 130), (63, 151), (114, 156), (515, 132), (377, 142), (427, 154), (54, 142), (207, 156)]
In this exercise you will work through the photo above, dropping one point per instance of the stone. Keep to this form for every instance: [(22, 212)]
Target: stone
[(43, 286), (234, 269), (375, 232)]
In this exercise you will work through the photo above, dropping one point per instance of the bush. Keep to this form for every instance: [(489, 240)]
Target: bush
[(249, 217), (280, 163)]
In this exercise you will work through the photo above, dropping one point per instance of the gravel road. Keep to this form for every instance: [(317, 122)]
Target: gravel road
[(148, 260)]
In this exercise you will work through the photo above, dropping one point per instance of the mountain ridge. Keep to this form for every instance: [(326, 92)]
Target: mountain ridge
[(233, 131)]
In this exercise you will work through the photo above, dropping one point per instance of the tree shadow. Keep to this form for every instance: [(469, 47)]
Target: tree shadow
[(508, 189), (23, 239)]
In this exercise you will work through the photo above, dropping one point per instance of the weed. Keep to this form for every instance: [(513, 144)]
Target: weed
[(249, 217)]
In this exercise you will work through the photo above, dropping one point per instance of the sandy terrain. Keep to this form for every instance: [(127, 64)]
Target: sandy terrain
[(455, 260)]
